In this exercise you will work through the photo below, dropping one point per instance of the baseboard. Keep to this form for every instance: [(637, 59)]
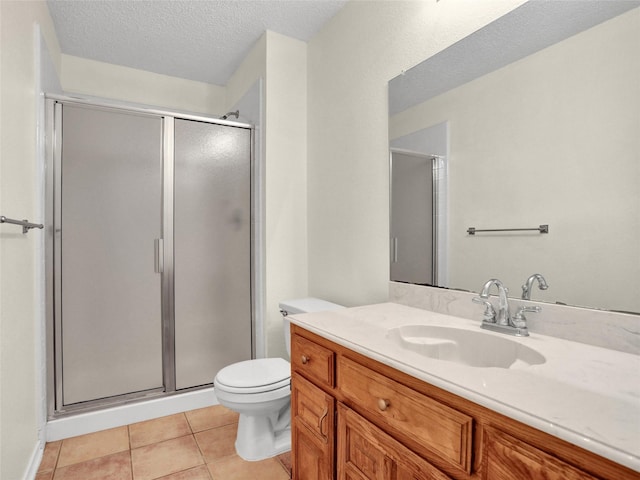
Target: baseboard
[(90, 422), (34, 462)]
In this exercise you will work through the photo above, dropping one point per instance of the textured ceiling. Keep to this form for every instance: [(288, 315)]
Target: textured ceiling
[(529, 28), (203, 40)]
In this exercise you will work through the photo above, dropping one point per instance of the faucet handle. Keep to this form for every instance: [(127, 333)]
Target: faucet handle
[(519, 320), (489, 312)]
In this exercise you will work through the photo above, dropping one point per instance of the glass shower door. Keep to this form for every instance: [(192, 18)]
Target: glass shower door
[(108, 215), (212, 249), (412, 219)]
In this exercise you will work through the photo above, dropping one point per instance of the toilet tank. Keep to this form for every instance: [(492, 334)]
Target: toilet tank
[(302, 305)]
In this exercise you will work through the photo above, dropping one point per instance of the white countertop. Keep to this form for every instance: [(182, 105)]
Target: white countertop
[(586, 395)]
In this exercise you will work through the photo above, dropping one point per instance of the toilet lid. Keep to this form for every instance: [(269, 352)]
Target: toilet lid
[(252, 376)]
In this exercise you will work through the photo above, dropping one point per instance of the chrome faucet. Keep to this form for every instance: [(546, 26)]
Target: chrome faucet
[(501, 321), (528, 285), (503, 316)]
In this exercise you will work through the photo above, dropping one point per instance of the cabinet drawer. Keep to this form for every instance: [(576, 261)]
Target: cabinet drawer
[(366, 453), (425, 425), (506, 457), (313, 361)]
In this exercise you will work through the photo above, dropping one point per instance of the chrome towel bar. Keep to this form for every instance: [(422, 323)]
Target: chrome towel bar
[(541, 229), (26, 226)]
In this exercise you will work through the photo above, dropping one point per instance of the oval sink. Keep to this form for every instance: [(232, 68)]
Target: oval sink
[(466, 347)]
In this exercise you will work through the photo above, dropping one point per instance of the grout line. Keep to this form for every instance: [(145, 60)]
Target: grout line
[(131, 459), (130, 453), (186, 419), (188, 422), (204, 460), (209, 472), (55, 464)]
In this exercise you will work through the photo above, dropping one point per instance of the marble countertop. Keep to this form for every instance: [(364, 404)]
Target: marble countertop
[(586, 395)]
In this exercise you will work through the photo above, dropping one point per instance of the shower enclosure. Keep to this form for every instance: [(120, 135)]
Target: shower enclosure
[(149, 219)]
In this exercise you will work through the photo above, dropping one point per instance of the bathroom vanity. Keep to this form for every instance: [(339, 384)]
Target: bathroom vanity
[(372, 400)]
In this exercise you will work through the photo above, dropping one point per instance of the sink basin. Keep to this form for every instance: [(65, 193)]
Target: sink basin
[(466, 347)]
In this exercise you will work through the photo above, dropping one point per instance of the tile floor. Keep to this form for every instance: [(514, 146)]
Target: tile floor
[(195, 445)]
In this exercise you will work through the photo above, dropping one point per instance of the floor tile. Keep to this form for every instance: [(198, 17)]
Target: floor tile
[(93, 445), (198, 473), (234, 468), (164, 458), (143, 451), (110, 467), (158, 430), (50, 456), (211, 417), (217, 442)]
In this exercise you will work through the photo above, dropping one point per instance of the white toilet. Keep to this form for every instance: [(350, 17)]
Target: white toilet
[(260, 391)]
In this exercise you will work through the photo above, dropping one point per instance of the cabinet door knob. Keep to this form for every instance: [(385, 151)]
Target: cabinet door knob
[(304, 359), (383, 404)]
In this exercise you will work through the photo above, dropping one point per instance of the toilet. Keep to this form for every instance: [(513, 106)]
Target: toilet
[(260, 391)]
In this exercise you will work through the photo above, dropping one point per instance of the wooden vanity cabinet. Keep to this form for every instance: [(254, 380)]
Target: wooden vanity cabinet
[(356, 419)]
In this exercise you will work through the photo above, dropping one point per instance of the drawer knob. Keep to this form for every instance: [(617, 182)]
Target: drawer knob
[(304, 359), (383, 404)]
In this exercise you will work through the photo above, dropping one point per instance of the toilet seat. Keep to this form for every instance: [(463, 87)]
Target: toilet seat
[(254, 376)]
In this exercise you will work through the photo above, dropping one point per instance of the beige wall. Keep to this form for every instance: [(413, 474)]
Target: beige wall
[(19, 291), (282, 64), (350, 62), (555, 138), (252, 69), (89, 77), (285, 185)]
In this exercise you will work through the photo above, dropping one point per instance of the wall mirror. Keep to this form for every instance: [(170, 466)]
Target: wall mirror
[(536, 118)]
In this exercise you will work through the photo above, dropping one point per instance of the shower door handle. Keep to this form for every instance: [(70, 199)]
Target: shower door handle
[(394, 250), (158, 255)]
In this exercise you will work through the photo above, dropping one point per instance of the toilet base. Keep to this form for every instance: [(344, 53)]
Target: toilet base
[(260, 437)]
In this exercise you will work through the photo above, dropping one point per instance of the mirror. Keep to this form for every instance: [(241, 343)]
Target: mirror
[(537, 118)]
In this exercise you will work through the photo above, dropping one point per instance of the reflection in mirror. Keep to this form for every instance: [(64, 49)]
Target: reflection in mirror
[(413, 232), (542, 111), (418, 193)]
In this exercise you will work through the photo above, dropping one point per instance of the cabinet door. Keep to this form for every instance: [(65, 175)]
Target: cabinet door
[(367, 453), (313, 426), (506, 458)]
